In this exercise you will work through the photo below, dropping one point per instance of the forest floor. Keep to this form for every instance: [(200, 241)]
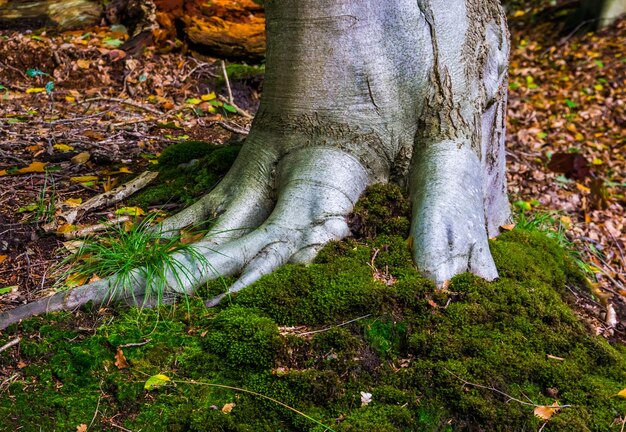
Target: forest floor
[(78, 118)]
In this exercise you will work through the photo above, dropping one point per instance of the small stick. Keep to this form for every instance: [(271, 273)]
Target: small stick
[(8, 345), (230, 91), (495, 390), (332, 327), (111, 197), (95, 228), (135, 344), (232, 128)]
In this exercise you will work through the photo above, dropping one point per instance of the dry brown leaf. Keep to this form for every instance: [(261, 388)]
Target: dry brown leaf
[(546, 412), (81, 428), (120, 360), (2, 258)]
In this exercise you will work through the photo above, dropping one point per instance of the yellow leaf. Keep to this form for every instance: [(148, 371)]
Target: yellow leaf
[(81, 179), (73, 202), (3, 257), (228, 408), (597, 161), (83, 64), (120, 360), (125, 170), (156, 381), (582, 187), (75, 279), (566, 221), (70, 98), (518, 13), (65, 228), (208, 97), (63, 147), (81, 158), (35, 90), (35, 167), (131, 211), (622, 393)]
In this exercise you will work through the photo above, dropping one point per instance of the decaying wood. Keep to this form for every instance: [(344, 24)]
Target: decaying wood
[(232, 29)]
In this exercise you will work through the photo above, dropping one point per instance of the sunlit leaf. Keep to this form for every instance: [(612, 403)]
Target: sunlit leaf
[(156, 381), (130, 211)]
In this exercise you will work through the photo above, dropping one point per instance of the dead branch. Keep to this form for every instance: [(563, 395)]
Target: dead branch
[(8, 345), (111, 197)]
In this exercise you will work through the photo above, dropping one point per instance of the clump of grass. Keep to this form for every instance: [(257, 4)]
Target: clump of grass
[(553, 227), (135, 254)]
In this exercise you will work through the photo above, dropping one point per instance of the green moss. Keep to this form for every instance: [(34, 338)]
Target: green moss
[(412, 353), (383, 209), (187, 170)]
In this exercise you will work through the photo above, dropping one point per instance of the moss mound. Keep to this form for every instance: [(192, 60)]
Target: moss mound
[(187, 170), (320, 339)]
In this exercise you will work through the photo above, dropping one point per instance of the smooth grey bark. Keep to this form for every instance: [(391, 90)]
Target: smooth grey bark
[(358, 92), (596, 14)]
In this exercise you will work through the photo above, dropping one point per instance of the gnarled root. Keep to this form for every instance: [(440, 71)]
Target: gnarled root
[(316, 189)]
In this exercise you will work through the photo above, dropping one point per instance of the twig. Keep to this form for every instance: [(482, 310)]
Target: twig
[(230, 91), (111, 197), (232, 128), (8, 345), (332, 327), (95, 414), (495, 390), (95, 228), (135, 344), (125, 102), (240, 111)]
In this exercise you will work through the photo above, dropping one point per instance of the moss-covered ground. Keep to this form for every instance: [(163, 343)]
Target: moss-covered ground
[(187, 170), (289, 337)]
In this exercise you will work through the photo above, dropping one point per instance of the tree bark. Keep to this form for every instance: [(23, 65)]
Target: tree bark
[(359, 92), (596, 14)]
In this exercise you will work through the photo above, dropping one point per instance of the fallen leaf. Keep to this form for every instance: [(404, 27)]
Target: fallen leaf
[(81, 428), (2, 258), (83, 64), (35, 90), (573, 165), (75, 279), (228, 408), (8, 289), (81, 158), (73, 245), (156, 381), (508, 227), (63, 147), (546, 412), (35, 167), (73, 202), (120, 360), (82, 179), (622, 393), (130, 211), (21, 364)]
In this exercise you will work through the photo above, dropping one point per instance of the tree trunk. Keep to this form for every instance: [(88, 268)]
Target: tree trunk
[(596, 14), (359, 92)]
